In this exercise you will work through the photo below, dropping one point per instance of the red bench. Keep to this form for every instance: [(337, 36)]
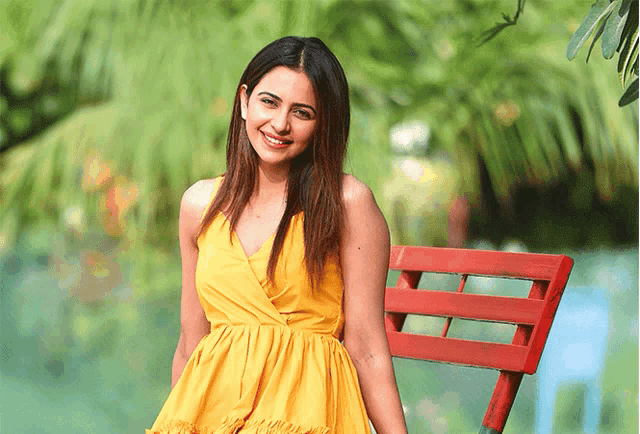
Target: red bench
[(532, 316)]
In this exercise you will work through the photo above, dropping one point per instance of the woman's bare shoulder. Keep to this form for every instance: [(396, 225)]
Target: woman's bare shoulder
[(364, 220), (355, 193), (196, 198)]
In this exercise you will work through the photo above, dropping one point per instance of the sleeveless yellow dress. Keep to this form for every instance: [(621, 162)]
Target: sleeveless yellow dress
[(273, 362)]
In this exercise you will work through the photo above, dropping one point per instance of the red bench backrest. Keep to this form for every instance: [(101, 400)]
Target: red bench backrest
[(532, 315)]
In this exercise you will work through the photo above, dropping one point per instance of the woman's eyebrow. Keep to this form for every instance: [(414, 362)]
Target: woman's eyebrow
[(297, 104)]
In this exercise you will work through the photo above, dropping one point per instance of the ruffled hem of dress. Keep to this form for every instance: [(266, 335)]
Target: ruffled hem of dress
[(235, 425), (179, 427)]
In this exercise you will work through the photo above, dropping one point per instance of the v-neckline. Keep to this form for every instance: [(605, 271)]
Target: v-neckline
[(242, 248)]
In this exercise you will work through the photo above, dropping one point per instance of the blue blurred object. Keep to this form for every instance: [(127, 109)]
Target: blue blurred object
[(575, 353)]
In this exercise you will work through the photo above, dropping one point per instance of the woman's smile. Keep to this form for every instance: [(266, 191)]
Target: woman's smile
[(276, 141)]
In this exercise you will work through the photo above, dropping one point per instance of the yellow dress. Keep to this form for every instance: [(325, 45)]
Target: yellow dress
[(273, 362)]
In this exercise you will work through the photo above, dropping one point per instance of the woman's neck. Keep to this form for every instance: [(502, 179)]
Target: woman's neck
[(272, 182)]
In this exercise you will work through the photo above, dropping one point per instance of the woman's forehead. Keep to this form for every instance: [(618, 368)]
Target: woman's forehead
[(288, 84)]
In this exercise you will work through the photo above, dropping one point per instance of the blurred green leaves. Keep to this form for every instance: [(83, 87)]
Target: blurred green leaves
[(616, 22), (145, 89)]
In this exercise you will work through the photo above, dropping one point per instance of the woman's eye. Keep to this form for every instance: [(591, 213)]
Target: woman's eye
[(268, 101), (303, 114)]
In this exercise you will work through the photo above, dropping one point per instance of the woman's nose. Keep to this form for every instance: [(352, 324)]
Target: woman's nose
[(280, 122)]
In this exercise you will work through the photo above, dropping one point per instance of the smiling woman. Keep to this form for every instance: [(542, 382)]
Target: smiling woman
[(280, 117), (284, 263)]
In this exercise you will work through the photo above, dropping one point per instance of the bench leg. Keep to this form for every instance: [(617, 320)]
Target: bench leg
[(501, 402)]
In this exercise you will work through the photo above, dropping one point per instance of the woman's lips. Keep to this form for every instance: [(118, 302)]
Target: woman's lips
[(275, 141)]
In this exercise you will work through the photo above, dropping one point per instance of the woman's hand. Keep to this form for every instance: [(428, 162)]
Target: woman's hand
[(365, 260)]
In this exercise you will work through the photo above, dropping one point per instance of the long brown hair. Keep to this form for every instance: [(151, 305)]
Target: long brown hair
[(314, 184)]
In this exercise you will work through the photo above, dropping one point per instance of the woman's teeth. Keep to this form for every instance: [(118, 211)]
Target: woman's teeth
[(275, 141)]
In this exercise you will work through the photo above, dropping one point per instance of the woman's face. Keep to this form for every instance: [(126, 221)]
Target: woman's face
[(280, 116)]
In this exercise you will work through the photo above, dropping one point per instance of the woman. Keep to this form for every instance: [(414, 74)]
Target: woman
[(283, 257)]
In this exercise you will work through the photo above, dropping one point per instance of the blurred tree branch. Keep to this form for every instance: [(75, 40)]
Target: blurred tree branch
[(616, 21), (491, 33)]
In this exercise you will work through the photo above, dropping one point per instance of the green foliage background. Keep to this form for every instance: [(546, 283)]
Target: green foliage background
[(149, 85), (146, 87)]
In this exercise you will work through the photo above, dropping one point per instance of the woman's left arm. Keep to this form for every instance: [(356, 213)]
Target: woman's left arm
[(365, 260)]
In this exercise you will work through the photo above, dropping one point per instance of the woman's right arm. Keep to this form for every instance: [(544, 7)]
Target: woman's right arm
[(193, 322)]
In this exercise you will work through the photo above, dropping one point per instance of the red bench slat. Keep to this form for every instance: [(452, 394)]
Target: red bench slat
[(511, 310), (478, 262), (458, 351)]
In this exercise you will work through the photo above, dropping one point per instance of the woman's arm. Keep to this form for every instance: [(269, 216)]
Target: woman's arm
[(365, 260), (193, 322)]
